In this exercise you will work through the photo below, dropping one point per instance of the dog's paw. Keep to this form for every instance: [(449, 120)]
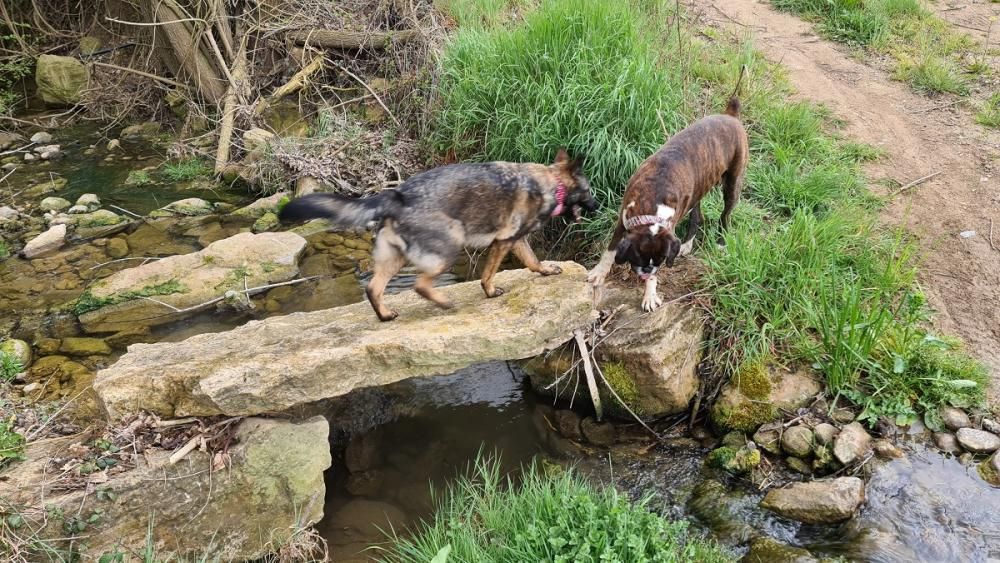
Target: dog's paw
[(446, 305), (390, 316), (497, 292), (596, 278), (650, 302), (550, 270), (686, 248)]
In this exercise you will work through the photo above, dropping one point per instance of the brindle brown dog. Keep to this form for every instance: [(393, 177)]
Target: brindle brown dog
[(666, 187), (434, 214)]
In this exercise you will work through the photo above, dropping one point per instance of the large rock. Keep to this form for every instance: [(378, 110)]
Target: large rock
[(116, 303), (652, 364), (60, 80), (270, 486), (257, 209), (817, 502), (49, 241), (17, 349), (755, 395), (851, 444), (280, 362), (978, 441)]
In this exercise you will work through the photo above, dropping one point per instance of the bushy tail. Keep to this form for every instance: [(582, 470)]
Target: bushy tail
[(343, 212)]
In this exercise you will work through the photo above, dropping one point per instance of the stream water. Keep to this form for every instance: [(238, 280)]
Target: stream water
[(392, 444)]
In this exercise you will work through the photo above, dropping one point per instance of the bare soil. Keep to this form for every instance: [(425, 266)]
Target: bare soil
[(920, 136)]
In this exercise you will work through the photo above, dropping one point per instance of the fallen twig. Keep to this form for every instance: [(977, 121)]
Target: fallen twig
[(588, 369), (916, 182), (124, 259), (222, 297), (991, 235), (370, 91), (337, 39), (141, 73), (175, 422), (185, 450), (123, 210)]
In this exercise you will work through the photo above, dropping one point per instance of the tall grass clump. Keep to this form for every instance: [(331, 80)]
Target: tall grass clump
[(582, 75), (184, 170), (546, 517)]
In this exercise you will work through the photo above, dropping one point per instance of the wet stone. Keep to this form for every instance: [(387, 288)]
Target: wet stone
[(955, 418), (799, 465), (797, 441), (946, 442), (598, 433), (886, 449), (851, 444), (978, 441), (568, 423)]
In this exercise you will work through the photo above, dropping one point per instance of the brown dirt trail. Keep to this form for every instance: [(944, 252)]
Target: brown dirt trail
[(921, 136)]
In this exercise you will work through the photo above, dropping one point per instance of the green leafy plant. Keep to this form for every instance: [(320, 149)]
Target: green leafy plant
[(546, 516), (989, 112), (11, 443)]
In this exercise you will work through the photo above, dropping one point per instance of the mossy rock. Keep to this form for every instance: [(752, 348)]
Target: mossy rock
[(734, 460), (745, 401)]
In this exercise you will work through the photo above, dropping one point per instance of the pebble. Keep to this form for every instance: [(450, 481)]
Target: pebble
[(991, 425), (886, 449), (825, 433), (967, 234), (41, 138), (797, 441), (955, 418), (946, 442)]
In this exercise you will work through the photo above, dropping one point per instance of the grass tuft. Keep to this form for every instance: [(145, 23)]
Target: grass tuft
[(989, 112), (10, 366), (185, 170), (547, 516)]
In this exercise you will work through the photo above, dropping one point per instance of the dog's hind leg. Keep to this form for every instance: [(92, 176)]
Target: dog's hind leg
[(424, 286), (731, 187), (694, 223), (527, 257), (387, 260), (498, 251)]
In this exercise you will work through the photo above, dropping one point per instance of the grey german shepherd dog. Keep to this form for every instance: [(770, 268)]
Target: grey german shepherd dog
[(434, 214)]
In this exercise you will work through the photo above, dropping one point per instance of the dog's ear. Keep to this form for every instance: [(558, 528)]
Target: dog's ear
[(621, 250), (672, 250), (562, 157)]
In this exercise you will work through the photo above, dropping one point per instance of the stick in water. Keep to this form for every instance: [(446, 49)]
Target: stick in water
[(588, 369)]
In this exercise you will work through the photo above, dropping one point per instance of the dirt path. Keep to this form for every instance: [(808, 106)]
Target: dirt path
[(961, 276)]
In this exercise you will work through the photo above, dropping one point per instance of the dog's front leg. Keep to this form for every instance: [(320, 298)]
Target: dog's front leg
[(597, 275), (650, 300), (527, 257), (498, 250)]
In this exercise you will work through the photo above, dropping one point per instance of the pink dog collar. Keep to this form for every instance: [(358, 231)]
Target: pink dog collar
[(560, 199)]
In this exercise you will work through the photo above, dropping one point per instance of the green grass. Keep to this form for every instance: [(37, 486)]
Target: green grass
[(989, 112), (184, 170), (479, 13), (584, 76), (138, 178), (11, 443), (9, 367), (808, 276), (929, 54), (88, 302), (4, 249), (546, 517)]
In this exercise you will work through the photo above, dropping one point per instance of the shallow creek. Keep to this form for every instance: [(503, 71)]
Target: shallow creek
[(392, 444)]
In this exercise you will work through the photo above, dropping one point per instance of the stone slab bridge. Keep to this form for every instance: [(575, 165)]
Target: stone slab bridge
[(281, 362)]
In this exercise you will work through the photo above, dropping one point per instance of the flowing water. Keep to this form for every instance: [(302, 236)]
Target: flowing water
[(392, 444)]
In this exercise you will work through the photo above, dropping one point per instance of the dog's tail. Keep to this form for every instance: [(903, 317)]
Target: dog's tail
[(343, 212), (733, 107)]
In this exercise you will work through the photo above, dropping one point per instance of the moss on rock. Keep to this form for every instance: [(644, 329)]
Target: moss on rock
[(88, 302)]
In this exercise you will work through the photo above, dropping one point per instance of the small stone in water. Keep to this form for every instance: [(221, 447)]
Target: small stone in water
[(946, 442), (978, 441)]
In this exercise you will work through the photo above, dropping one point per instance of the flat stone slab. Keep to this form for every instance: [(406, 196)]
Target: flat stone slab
[(152, 294), (280, 362)]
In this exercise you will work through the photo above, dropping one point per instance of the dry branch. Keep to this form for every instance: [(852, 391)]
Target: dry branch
[(331, 39), (187, 51), (239, 75), (296, 83), (588, 369)]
